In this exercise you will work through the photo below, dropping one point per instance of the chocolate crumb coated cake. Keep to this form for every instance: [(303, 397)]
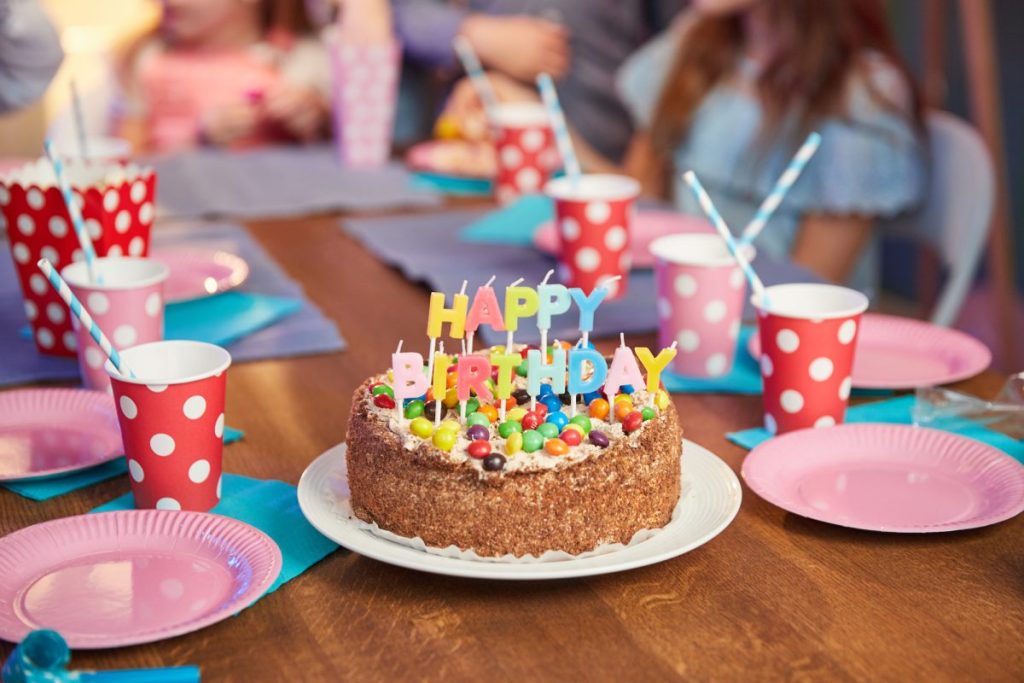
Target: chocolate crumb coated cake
[(539, 480)]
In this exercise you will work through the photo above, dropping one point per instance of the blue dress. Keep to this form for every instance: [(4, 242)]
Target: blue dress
[(871, 162)]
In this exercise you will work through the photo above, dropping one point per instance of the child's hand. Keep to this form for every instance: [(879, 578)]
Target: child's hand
[(229, 124), (300, 110), (520, 46), (466, 112)]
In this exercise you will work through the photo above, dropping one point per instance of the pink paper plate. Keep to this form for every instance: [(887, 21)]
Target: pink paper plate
[(134, 576), (198, 273), (886, 477), (647, 227), (903, 353), (456, 158), (48, 432)]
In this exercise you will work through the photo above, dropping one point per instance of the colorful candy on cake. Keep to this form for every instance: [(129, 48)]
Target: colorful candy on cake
[(516, 449)]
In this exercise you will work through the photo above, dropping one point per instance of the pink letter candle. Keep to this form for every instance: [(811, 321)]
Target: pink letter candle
[(485, 310)]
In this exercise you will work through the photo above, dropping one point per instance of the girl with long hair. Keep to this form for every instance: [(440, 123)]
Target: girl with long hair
[(733, 88)]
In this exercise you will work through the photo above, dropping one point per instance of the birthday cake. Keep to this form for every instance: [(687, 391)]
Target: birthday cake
[(510, 450)]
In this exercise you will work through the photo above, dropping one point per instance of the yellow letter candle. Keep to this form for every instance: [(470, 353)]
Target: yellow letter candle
[(654, 365)]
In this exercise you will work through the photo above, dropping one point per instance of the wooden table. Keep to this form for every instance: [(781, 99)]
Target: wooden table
[(775, 596)]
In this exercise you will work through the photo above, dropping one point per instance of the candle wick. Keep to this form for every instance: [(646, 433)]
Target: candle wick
[(491, 281), (622, 339), (516, 282), (399, 349), (549, 274)]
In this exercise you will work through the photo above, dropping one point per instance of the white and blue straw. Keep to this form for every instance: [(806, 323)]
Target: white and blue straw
[(76, 106), (716, 218), (76, 215), (475, 71), (559, 127), (782, 186), (80, 312)]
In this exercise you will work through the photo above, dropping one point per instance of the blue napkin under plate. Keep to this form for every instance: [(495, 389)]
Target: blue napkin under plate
[(898, 411), (272, 507), (51, 487), (512, 224), (451, 185), (227, 317)]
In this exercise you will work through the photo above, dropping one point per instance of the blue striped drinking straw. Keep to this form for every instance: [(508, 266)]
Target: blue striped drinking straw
[(476, 74), (558, 126), (716, 219), (80, 312), (76, 215), (782, 186)]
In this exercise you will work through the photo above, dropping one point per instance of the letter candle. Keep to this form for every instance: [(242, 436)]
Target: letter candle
[(538, 369), (485, 309), (588, 304), (577, 383), (507, 363), (552, 300), (408, 380), (623, 370), (438, 315), (654, 365), (520, 302), (439, 378)]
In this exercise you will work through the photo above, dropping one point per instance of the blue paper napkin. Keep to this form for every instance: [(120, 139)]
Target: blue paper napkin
[(273, 508), (897, 411), (44, 489), (512, 224), (455, 186), (225, 318)]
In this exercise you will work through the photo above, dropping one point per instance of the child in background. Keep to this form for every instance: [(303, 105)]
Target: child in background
[(733, 88), (231, 73)]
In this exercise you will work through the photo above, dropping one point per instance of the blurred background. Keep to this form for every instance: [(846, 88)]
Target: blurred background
[(966, 53)]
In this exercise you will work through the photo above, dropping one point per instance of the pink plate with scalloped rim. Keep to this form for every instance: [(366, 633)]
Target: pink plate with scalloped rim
[(197, 273), (49, 432), (903, 353), (885, 477), (112, 579), (647, 227)]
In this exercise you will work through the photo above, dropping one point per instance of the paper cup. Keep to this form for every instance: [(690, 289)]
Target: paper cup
[(365, 82), (701, 292), (808, 340), (593, 218), (117, 206), (524, 146), (129, 306), (172, 422)]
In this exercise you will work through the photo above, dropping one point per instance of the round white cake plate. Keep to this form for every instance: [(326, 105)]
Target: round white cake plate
[(710, 500)]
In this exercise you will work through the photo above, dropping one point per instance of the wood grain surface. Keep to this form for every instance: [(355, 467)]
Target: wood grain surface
[(774, 597)]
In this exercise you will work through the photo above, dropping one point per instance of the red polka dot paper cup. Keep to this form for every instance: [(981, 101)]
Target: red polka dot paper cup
[(593, 216), (365, 82), (129, 306), (172, 422), (808, 339), (525, 149), (117, 207), (701, 292)]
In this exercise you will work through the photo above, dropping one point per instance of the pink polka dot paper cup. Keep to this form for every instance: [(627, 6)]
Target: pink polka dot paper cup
[(593, 217), (808, 339), (525, 149), (172, 422), (701, 292), (365, 81), (129, 306), (117, 204)]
